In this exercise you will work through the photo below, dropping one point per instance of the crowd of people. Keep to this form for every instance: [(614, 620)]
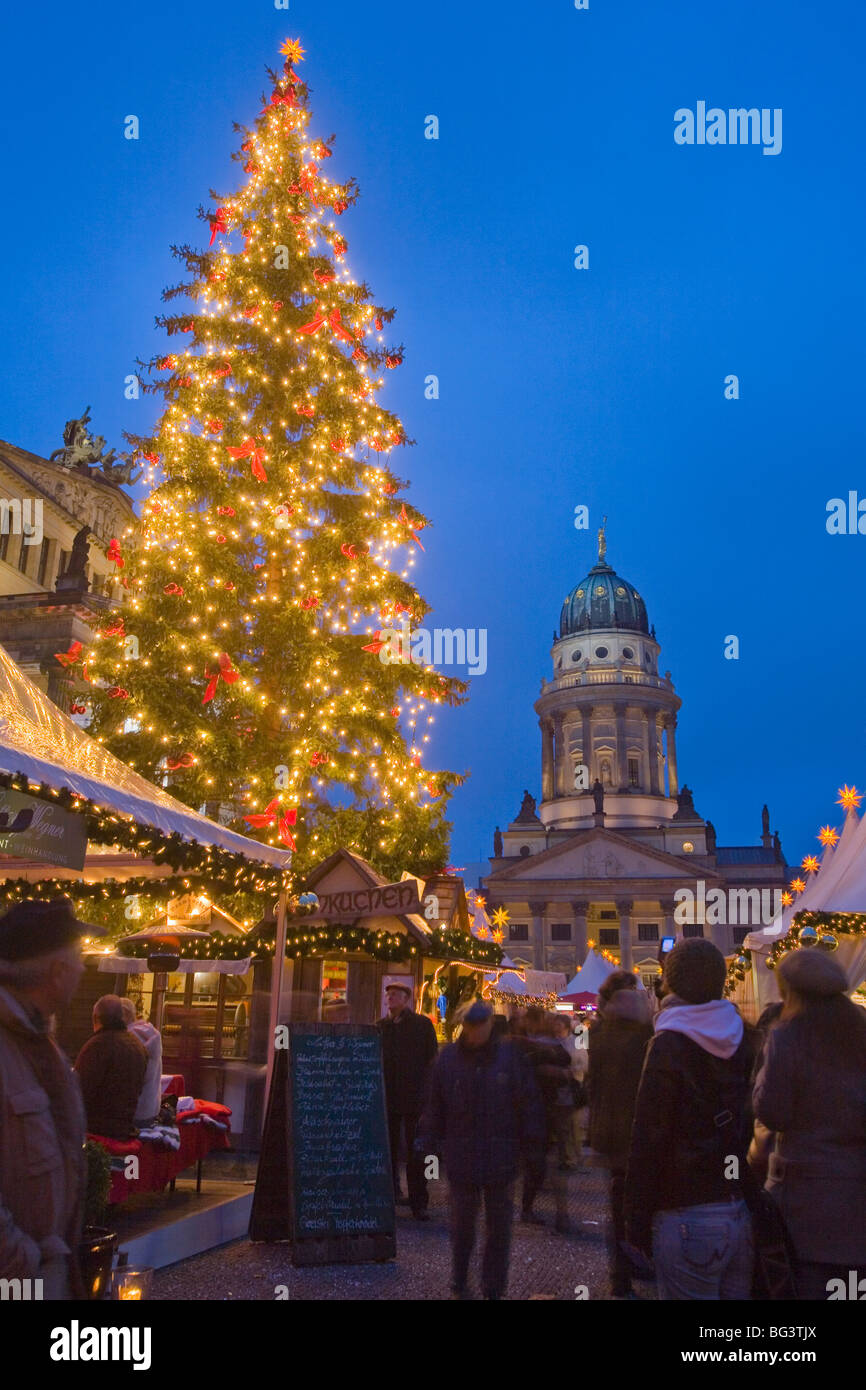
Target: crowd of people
[(731, 1150)]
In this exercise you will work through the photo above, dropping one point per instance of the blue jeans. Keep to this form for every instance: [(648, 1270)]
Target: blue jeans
[(704, 1252)]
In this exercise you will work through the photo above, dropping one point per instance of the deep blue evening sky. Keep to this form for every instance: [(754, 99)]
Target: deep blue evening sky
[(558, 386)]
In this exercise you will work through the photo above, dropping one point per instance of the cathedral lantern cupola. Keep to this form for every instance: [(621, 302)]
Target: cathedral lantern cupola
[(607, 715)]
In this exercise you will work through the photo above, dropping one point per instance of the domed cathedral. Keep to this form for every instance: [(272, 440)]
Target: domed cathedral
[(616, 853)]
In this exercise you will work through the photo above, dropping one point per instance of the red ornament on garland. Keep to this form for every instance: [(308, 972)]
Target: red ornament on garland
[(324, 277), (172, 589), (310, 602), (393, 360), (214, 426)]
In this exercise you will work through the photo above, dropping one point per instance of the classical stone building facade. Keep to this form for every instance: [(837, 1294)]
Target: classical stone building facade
[(616, 851), (55, 590)]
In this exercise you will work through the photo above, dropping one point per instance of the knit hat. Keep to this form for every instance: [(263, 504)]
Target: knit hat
[(812, 972), (36, 927), (695, 971)]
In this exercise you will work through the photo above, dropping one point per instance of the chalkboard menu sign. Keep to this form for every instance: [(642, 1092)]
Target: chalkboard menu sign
[(324, 1179)]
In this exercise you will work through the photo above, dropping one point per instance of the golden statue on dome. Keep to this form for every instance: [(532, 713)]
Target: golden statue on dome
[(602, 543)]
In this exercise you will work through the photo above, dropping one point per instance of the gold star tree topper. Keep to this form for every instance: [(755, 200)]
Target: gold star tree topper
[(292, 50)]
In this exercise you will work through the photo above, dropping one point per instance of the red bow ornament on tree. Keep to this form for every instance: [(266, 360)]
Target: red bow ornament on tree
[(71, 657), (250, 450), (113, 553), (185, 760), (334, 319), (218, 224), (273, 813), (404, 521), (226, 672)]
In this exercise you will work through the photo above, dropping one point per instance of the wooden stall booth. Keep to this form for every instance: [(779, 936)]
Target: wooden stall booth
[(367, 932)]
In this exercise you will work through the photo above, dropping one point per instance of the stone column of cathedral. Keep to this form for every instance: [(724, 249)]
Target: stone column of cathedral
[(586, 740), (536, 934), (669, 927), (547, 785), (561, 760), (653, 738), (621, 749), (625, 907), (671, 726), (580, 933)]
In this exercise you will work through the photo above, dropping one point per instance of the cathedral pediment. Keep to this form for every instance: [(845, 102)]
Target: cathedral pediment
[(599, 854)]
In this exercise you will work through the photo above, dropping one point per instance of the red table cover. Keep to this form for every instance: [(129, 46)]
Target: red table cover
[(158, 1164)]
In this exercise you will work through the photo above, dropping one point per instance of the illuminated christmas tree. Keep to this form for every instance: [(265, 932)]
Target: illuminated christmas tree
[(274, 547)]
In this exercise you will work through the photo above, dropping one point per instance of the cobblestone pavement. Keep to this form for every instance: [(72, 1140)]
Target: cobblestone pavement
[(544, 1265)]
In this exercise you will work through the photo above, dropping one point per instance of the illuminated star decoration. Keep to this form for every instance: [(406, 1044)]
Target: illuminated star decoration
[(797, 885), (292, 50), (828, 836), (787, 898), (499, 936), (810, 864), (849, 798), (500, 917)]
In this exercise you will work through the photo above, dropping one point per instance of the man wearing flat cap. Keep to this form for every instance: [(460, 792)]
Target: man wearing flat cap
[(408, 1049), (41, 1115)]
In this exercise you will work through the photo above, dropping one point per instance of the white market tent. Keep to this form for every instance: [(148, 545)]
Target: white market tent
[(528, 984), (839, 886), (590, 977)]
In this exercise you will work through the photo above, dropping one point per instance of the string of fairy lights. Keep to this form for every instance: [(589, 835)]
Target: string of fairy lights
[(273, 548)]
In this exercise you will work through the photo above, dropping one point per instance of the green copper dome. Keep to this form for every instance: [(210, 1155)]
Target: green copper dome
[(603, 600)]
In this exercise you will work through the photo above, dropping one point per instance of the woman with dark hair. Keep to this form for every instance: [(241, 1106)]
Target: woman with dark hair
[(617, 1043), (811, 1090)]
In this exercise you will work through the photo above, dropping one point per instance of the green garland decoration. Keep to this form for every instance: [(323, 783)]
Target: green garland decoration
[(15, 890), (449, 943), (231, 872), (320, 938), (807, 930)]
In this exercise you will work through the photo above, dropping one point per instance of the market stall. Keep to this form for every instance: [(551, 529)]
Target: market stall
[(75, 820), (823, 909)]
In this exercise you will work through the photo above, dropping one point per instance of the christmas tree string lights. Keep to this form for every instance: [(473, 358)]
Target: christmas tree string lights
[(274, 541)]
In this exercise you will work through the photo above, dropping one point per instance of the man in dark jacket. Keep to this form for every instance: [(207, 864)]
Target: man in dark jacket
[(111, 1067), (617, 1043), (42, 1172), (408, 1049), (484, 1111), (683, 1200)]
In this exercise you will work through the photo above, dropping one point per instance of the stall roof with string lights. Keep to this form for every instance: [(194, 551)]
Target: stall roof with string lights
[(55, 778), (823, 908)]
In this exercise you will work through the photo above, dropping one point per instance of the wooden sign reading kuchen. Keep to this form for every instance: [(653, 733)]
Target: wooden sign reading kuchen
[(369, 902)]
